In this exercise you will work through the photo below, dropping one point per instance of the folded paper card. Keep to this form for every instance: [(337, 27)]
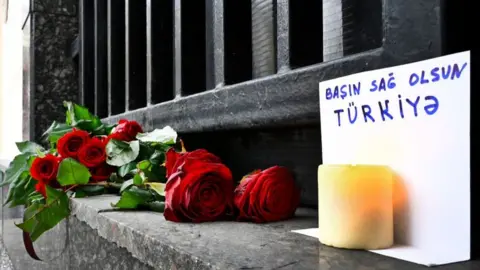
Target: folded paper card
[(355, 206), (414, 118)]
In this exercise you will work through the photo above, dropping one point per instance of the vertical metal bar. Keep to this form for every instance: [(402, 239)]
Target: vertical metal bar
[(100, 54), (214, 26), (178, 48), (218, 43), (81, 55), (149, 52), (127, 57), (263, 38), (109, 55), (209, 44), (337, 28), (283, 36)]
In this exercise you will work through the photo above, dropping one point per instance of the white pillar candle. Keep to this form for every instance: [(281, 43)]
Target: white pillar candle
[(355, 208)]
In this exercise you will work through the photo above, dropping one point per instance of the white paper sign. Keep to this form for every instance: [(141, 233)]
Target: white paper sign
[(414, 118)]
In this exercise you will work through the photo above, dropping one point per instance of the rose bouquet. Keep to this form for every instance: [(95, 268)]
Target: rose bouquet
[(149, 170), (87, 157)]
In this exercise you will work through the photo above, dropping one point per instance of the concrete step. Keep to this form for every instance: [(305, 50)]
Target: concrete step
[(90, 239)]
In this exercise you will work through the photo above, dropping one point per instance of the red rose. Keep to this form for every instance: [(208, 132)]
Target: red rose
[(69, 144), (101, 173), (41, 188), (265, 196), (119, 137), (126, 130), (92, 154), (175, 159), (45, 169), (199, 190)]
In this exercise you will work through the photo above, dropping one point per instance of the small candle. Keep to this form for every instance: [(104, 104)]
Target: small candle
[(355, 208)]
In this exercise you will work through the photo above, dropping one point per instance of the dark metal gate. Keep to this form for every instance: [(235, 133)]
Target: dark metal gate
[(230, 70)]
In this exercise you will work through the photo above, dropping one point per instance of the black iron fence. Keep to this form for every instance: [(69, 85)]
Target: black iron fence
[(221, 64)]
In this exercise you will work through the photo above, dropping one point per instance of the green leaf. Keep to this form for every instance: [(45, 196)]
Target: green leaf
[(100, 130), (161, 147), (119, 145), (109, 128), (71, 172), (78, 194), (159, 188), (126, 185), (35, 197), (144, 165), (29, 147), (165, 135), (56, 131), (157, 157), (152, 172), (20, 190), (152, 160), (86, 191), (39, 217), (19, 165), (146, 151), (155, 173), (103, 129), (30, 223), (120, 153), (137, 179), (133, 198), (155, 206), (40, 153), (49, 129), (126, 169), (115, 179), (79, 116)]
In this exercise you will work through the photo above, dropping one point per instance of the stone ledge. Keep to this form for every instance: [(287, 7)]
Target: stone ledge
[(5, 262), (226, 245)]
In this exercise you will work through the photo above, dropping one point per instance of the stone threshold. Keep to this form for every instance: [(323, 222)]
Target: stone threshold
[(226, 245)]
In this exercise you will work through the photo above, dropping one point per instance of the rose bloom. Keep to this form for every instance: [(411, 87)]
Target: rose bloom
[(101, 173), (41, 188), (268, 195), (199, 189), (126, 130), (119, 137), (93, 153), (175, 159), (44, 170), (70, 143)]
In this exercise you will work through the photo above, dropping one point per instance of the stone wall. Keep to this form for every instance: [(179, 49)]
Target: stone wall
[(80, 248), (54, 24)]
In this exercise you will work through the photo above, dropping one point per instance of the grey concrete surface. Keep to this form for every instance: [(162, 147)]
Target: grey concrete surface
[(227, 245)]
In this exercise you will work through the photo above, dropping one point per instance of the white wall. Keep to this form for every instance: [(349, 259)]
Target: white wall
[(11, 53)]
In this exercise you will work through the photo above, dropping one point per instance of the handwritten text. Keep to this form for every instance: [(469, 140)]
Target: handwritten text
[(391, 109)]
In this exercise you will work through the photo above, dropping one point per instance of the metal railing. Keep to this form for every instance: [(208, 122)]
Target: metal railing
[(203, 65), (138, 53)]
